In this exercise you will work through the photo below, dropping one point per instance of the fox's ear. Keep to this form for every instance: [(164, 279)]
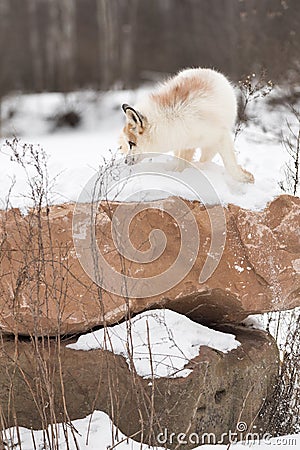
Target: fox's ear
[(133, 116)]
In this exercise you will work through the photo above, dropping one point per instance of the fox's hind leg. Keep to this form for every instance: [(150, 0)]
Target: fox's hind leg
[(187, 154), (207, 154), (226, 150)]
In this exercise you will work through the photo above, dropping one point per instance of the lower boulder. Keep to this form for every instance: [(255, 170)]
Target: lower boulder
[(42, 381)]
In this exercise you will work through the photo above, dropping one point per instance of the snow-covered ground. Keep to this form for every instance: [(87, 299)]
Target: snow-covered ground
[(75, 154), (97, 432), (173, 338)]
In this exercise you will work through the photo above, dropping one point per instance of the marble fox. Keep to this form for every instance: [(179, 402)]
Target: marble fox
[(196, 108)]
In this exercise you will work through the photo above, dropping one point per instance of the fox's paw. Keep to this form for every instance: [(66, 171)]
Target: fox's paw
[(180, 165), (242, 175), (245, 176)]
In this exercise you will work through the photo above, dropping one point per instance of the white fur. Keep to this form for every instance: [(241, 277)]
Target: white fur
[(205, 120)]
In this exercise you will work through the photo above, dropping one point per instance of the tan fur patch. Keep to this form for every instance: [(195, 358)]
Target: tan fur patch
[(180, 90), (131, 136), (130, 131)]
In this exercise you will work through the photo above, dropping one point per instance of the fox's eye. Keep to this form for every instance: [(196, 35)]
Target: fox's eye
[(131, 144)]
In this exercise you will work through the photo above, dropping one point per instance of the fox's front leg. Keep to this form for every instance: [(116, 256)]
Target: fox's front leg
[(182, 157)]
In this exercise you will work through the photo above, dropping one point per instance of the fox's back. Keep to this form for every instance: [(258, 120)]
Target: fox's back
[(195, 94)]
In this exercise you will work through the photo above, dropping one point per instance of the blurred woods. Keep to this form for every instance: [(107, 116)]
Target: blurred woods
[(62, 45)]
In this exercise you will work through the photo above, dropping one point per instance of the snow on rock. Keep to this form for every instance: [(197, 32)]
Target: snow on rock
[(75, 160), (296, 265), (161, 338), (156, 177)]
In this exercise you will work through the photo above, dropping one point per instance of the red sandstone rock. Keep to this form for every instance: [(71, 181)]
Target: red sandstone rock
[(45, 290)]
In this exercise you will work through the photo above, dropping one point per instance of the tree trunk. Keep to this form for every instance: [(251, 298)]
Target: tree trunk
[(52, 45), (108, 40), (4, 52), (34, 45), (129, 36), (67, 43)]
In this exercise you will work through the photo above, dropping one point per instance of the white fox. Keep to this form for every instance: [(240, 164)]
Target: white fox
[(196, 108)]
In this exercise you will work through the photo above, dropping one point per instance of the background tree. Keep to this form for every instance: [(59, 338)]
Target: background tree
[(69, 44)]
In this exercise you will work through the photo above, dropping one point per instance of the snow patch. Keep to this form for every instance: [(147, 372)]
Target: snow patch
[(296, 265), (239, 268), (94, 432), (167, 338), (255, 322)]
